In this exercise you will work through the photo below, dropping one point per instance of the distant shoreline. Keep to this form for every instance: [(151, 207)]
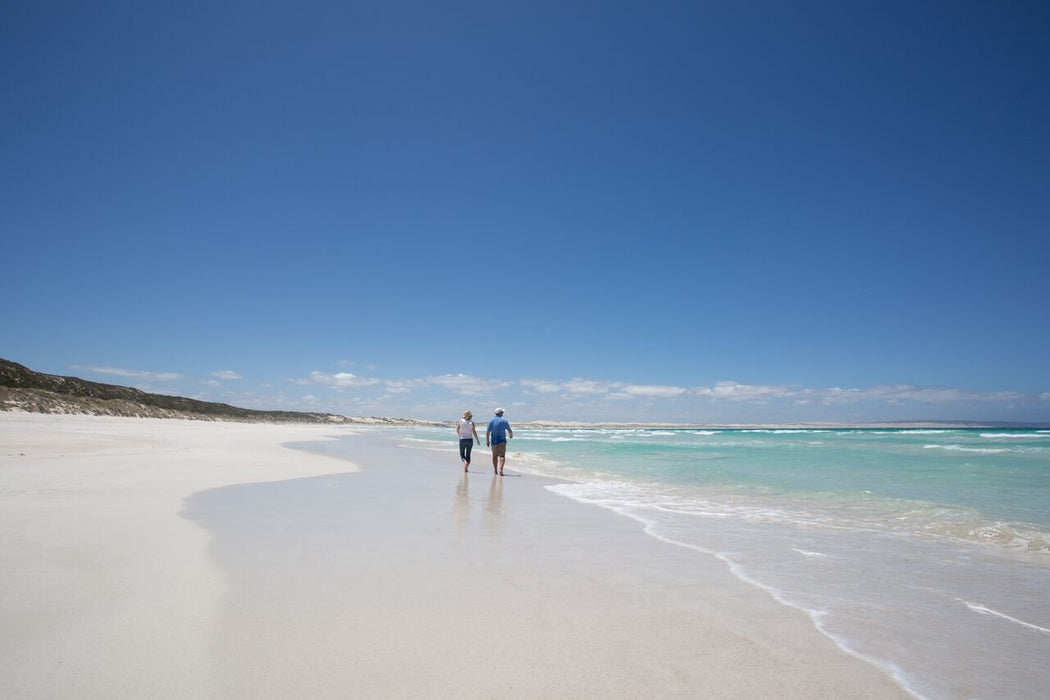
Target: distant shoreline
[(888, 425), (59, 408)]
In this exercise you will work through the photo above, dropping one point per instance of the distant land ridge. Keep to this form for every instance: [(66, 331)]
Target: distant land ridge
[(22, 389)]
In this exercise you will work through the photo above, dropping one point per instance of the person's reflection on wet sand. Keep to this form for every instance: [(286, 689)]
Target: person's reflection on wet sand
[(494, 504), (461, 506)]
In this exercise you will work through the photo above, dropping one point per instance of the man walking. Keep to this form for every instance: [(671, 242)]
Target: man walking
[(496, 435)]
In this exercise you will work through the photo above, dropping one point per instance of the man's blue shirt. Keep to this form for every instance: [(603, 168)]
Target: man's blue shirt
[(498, 427)]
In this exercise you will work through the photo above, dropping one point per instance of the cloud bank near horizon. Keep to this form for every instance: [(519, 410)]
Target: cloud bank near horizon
[(468, 386), (578, 398), (586, 399)]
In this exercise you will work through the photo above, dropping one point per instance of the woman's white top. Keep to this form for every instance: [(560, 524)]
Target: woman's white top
[(465, 429)]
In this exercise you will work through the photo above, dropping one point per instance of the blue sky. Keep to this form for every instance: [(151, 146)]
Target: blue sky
[(654, 211)]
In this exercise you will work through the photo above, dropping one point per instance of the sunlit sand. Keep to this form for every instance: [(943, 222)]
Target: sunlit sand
[(175, 559)]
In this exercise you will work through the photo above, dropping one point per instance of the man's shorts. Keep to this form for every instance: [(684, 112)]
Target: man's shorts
[(499, 450)]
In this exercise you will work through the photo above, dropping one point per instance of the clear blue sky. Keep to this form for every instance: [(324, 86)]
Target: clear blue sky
[(683, 211)]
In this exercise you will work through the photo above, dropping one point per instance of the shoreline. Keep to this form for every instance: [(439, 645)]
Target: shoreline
[(894, 425), (210, 560)]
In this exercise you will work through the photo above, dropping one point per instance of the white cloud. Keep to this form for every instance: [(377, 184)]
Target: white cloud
[(588, 399), (900, 393), (656, 391), (838, 395), (466, 384), (211, 382), (586, 386), (131, 373), (734, 391), (339, 380), (461, 384), (575, 386), (893, 394), (541, 385), (402, 386), (766, 393), (226, 374)]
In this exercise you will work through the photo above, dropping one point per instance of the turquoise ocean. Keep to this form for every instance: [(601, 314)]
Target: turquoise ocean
[(925, 552)]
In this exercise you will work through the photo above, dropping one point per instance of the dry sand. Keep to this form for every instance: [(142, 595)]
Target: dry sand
[(176, 559)]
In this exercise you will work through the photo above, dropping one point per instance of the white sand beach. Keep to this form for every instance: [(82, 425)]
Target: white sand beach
[(181, 559)]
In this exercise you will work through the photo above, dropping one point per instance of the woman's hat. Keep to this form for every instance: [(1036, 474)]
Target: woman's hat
[(467, 414)]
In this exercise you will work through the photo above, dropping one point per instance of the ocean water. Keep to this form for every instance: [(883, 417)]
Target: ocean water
[(926, 552)]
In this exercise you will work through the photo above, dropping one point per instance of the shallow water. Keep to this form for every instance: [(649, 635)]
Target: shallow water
[(926, 552)]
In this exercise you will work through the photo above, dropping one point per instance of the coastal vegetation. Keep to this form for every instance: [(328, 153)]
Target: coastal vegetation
[(22, 389)]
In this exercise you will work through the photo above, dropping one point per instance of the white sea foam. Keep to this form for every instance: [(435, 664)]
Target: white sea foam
[(1012, 536), (910, 519), (1014, 436), (964, 448), (984, 610), (807, 553), (652, 527), (619, 494), (785, 431), (538, 465)]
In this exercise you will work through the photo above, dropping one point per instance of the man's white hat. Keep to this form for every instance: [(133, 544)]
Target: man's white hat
[(499, 410)]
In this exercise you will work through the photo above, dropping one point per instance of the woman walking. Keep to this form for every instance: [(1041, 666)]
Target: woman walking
[(465, 429)]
